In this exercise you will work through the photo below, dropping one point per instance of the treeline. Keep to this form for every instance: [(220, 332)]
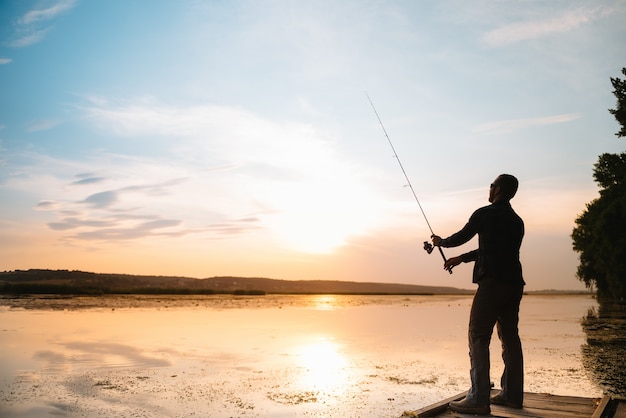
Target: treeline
[(62, 289), (74, 282), (37, 281)]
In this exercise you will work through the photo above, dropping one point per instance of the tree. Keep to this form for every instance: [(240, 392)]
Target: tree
[(600, 232), (620, 111)]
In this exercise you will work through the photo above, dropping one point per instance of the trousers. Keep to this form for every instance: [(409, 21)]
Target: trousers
[(496, 304)]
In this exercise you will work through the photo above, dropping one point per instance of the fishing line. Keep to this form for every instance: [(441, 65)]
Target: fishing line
[(427, 246)]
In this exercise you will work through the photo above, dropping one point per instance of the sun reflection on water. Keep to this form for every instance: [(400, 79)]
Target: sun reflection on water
[(325, 302), (324, 366)]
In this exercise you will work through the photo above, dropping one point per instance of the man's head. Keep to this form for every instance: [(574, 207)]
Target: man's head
[(503, 187)]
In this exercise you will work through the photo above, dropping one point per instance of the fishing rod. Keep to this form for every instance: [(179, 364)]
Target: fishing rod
[(427, 245)]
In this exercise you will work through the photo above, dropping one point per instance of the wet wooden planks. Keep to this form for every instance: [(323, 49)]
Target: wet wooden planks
[(611, 408), (537, 405), (620, 411)]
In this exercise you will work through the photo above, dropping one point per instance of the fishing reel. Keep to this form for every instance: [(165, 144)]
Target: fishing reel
[(428, 247)]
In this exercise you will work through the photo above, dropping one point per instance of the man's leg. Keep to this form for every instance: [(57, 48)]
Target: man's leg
[(483, 316), (512, 382)]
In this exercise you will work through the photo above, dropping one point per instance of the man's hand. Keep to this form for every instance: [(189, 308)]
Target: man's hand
[(451, 262), (436, 240)]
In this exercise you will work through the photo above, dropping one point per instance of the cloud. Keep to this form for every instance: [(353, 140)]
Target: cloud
[(233, 228), (512, 125), (216, 171), (29, 39), (101, 200), (132, 212), (5, 61), (41, 125), (157, 189), (42, 15), (129, 227), (35, 24), (224, 137), (523, 31), (146, 116), (74, 222), (108, 198), (88, 180), (217, 138), (46, 205), (141, 230)]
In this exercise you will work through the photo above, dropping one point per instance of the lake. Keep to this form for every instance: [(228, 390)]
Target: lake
[(267, 356)]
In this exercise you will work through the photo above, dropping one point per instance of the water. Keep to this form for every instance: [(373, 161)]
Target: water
[(605, 351), (268, 356)]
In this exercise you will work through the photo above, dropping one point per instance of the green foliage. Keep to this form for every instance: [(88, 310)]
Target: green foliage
[(600, 238), (620, 110), (610, 171), (600, 232)]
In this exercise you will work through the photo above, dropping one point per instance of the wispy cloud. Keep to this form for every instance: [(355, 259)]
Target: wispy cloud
[(533, 29), (108, 198), (35, 24), (5, 61), (76, 222), (512, 125), (140, 230), (146, 116), (124, 227), (222, 135), (41, 125), (27, 39), (133, 212), (46, 205), (88, 180), (47, 14), (220, 172), (101, 199)]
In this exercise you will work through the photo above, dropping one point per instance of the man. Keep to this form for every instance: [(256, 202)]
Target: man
[(498, 273)]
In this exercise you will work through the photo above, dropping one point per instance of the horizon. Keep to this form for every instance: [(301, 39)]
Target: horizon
[(546, 290), (236, 139)]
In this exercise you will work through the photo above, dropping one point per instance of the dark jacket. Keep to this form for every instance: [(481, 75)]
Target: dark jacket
[(500, 231)]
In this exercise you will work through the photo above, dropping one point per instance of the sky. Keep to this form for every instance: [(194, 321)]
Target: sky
[(235, 138)]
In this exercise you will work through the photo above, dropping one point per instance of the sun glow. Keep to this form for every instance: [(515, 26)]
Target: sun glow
[(325, 302), (325, 367), (321, 217)]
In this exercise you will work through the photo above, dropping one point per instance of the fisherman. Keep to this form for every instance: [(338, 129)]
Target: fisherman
[(498, 273)]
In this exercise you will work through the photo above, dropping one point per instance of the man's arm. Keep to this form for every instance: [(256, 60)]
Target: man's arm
[(454, 240), (463, 258), (470, 256), (470, 229), (461, 237)]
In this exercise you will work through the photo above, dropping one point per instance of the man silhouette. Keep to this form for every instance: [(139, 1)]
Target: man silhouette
[(498, 273)]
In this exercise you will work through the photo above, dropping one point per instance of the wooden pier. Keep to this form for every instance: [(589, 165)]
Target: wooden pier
[(536, 405)]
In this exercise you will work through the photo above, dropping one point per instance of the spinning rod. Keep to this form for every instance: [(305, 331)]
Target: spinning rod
[(427, 245)]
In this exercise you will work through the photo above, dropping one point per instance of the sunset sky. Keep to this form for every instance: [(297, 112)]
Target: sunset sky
[(209, 138)]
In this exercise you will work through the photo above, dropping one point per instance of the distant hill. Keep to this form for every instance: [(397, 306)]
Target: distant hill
[(79, 282)]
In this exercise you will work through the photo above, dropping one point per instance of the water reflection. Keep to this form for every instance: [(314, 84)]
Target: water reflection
[(325, 302), (96, 354), (605, 351), (279, 356), (324, 366)]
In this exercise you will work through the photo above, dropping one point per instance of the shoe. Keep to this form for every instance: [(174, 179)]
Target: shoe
[(499, 400), (467, 407)]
